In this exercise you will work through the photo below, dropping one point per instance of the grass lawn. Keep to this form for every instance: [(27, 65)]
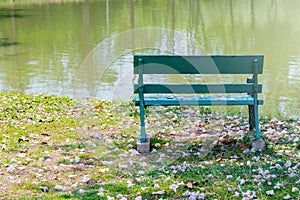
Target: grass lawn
[(59, 148)]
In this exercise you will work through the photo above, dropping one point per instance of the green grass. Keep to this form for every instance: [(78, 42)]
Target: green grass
[(88, 148)]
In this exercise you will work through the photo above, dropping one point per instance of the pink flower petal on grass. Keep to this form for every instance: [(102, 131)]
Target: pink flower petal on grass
[(173, 187), (270, 192)]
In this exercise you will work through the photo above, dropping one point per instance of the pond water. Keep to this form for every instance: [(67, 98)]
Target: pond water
[(85, 48)]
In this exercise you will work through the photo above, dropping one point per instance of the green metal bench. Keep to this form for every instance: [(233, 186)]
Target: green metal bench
[(158, 94)]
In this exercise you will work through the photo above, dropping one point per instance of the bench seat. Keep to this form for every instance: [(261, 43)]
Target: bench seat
[(197, 100)]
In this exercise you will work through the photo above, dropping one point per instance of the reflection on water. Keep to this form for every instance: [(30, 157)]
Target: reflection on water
[(85, 48), (108, 71)]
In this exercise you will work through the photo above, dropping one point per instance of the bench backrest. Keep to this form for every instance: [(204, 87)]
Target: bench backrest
[(207, 64)]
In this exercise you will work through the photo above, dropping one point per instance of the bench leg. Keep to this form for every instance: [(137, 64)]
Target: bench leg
[(251, 117), (143, 144), (254, 120), (258, 144), (143, 137), (257, 131)]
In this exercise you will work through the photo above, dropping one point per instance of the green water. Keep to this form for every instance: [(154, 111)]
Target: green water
[(84, 48)]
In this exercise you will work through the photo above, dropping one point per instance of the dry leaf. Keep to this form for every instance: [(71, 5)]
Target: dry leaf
[(288, 153), (229, 141), (241, 146), (99, 106), (44, 143), (246, 175), (22, 150)]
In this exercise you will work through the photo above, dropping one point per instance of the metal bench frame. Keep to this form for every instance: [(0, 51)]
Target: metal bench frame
[(207, 64)]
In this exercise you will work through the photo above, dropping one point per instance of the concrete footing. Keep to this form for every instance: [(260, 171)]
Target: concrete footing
[(143, 147), (258, 145)]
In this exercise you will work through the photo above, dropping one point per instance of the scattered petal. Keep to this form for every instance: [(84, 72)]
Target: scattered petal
[(77, 159), (236, 194), (129, 184), (110, 198), (242, 181), (270, 192), (288, 163), (4, 147), (173, 187), (103, 170), (159, 192), (277, 186), (229, 176), (81, 191), (44, 189), (189, 185), (85, 179), (60, 188), (11, 168)]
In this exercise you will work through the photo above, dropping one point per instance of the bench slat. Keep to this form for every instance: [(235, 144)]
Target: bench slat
[(196, 100), (211, 64), (198, 88)]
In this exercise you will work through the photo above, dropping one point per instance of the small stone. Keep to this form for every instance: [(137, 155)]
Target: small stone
[(143, 147), (258, 145)]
